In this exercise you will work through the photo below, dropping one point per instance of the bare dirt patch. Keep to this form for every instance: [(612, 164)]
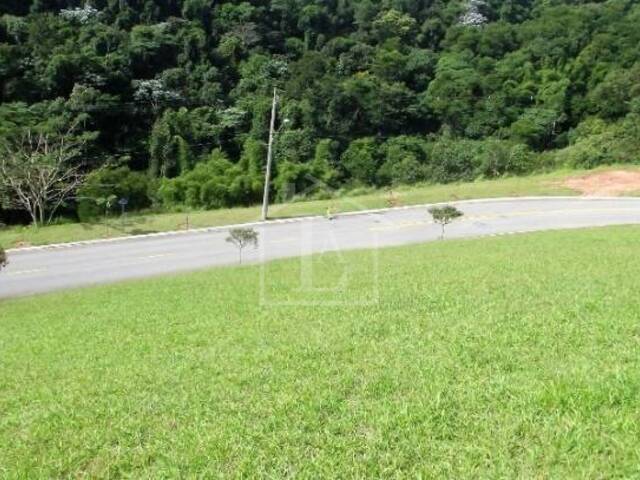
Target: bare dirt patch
[(611, 183)]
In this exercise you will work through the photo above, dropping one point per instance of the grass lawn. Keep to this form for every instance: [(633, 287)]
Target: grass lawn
[(489, 358), (545, 184)]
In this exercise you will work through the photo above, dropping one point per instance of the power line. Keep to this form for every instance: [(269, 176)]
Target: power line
[(120, 106)]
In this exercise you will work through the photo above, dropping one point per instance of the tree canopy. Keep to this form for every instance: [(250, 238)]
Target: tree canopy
[(375, 92)]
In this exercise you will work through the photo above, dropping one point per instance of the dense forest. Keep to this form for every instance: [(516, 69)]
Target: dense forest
[(172, 98)]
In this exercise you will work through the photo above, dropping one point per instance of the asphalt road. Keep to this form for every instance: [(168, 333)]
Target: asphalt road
[(41, 270)]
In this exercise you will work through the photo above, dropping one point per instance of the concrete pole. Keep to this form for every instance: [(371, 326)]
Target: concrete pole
[(267, 180)]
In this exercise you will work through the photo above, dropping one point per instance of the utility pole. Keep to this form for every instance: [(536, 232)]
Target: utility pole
[(267, 180)]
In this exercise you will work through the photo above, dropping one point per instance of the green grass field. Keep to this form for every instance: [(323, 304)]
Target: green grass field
[(508, 357), (544, 184)]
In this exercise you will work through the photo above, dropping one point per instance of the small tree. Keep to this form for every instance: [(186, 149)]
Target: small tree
[(3, 258), (444, 216), (38, 174), (242, 238)]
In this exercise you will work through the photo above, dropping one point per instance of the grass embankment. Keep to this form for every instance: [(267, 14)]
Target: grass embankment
[(546, 184), (497, 358)]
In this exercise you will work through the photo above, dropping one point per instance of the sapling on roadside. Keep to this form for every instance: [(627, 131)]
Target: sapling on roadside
[(242, 238), (3, 258), (444, 216)]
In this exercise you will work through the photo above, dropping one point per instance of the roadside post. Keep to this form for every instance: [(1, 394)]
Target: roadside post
[(123, 202)]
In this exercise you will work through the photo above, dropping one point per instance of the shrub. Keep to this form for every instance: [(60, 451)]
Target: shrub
[(292, 179), (612, 97), (588, 152), (361, 160), (406, 170), (307, 179), (217, 183), (213, 194), (453, 160), (3, 258), (324, 161), (595, 143), (536, 127), (405, 161), (498, 157), (120, 182)]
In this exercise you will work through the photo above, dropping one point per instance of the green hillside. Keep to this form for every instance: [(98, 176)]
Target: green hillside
[(167, 102)]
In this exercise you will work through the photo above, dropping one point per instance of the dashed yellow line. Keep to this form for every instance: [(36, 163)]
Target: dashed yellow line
[(400, 225), (528, 213), (26, 272), (523, 213), (160, 255), (284, 240)]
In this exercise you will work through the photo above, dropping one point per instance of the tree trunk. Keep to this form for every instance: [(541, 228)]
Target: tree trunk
[(41, 214), (34, 217)]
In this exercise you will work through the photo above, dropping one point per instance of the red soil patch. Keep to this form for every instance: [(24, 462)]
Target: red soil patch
[(612, 183)]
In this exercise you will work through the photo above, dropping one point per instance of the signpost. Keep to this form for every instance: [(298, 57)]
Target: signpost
[(123, 202)]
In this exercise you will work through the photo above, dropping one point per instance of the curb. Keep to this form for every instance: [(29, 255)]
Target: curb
[(128, 238)]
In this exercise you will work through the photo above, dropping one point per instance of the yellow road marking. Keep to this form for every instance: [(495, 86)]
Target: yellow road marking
[(523, 213), (160, 255), (526, 213), (26, 272), (284, 240), (400, 225)]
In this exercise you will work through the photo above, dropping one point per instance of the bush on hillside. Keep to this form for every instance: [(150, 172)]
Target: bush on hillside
[(120, 182), (594, 143), (405, 160), (216, 183), (361, 160), (498, 157), (453, 160)]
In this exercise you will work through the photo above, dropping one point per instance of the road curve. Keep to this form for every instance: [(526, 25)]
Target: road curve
[(40, 270)]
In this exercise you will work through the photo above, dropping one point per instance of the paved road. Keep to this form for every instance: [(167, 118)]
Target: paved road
[(42, 270)]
